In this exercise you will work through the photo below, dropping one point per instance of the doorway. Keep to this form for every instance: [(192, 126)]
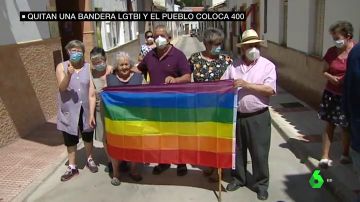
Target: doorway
[(70, 30)]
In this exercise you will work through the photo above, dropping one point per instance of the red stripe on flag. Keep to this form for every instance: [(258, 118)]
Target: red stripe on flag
[(216, 160)]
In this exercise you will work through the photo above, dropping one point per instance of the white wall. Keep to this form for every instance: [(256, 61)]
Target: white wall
[(110, 5), (159, 3), (12, 30), (273, 21), (298, 24), (341, 10), (169, 5), (261, 20), (123, 34)]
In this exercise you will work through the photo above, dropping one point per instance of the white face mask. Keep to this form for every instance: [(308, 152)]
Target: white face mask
[(340, 43), (161, 42), (252, 54)]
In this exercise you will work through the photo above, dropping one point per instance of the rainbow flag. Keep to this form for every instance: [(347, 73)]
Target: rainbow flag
[(190, 123)]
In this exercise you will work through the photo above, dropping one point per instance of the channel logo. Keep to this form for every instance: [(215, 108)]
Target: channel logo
[(316, 181)]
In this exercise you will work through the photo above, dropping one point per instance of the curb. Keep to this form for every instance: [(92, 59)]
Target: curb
[(339, 190)]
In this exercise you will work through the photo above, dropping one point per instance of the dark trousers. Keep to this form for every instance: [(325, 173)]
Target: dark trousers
[(253, 133)]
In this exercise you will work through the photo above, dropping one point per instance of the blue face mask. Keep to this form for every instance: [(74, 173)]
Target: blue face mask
[(215, 50), (76, 56), (100, 67)]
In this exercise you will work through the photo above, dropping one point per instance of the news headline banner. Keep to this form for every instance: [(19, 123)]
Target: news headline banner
[(132, 16)]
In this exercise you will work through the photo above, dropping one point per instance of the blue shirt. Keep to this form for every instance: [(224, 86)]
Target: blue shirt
[(351, 96)]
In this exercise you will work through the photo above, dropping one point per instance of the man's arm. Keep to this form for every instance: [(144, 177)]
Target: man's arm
[(264, 90), (268, 88)]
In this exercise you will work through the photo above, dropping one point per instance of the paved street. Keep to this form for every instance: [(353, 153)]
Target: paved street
[(288, 182)]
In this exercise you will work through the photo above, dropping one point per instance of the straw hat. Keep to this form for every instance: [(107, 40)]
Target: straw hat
[(249, 36)]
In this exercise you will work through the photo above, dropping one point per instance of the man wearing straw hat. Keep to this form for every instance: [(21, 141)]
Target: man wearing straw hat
[(255, 78)]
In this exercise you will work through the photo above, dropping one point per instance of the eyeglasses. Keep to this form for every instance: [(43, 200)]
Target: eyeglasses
[(149, 36)]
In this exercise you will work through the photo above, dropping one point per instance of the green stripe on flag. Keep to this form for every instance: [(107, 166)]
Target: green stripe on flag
[(222, 115)]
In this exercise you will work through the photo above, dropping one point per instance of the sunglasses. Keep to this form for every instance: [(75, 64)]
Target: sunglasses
[(149, 36)]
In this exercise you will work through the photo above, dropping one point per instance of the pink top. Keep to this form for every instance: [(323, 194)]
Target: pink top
[(261, 71), (337, 67)]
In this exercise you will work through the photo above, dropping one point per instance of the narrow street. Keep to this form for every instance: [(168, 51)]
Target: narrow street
[(288, 177)]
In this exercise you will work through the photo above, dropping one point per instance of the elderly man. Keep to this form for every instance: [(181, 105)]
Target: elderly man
[(166, 64), (351, 100), (255, 77)]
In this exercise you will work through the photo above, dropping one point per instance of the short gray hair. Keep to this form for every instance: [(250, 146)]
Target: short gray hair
[(213, 36), (75, 44), (163, 27), (122, 55)]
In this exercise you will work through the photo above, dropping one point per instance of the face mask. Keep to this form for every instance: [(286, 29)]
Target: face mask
[(340, 43), (215, 50), (161, 42), (100, 67), (252, 54), (76, 56)]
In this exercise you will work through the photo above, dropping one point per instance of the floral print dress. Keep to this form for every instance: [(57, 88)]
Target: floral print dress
[(208, 70)]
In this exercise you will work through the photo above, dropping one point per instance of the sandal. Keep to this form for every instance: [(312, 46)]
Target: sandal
[(115, 181)]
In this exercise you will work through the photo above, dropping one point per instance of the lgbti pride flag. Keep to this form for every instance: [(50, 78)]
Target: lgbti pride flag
[(190, 123)]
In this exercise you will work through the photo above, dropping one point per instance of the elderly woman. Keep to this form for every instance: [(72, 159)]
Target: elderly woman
[(76, 98), (330, 107), (210, 65), (99, 72), (123, 76)]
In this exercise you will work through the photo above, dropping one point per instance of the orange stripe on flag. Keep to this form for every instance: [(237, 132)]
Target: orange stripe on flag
[(194, 143), (216, 160)]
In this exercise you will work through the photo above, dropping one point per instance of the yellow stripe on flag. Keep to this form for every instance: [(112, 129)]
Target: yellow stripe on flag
[(151, 128)]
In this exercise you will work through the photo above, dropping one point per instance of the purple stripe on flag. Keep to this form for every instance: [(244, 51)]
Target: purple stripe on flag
[(225, 86)]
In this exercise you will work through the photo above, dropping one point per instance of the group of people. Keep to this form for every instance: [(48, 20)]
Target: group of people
[(81, 112)]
